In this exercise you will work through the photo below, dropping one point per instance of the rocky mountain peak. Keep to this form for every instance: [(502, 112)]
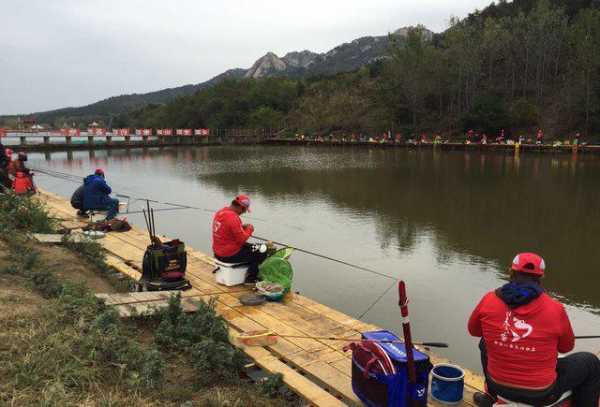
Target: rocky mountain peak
[(403, 32), (300, 59), (267, 65)]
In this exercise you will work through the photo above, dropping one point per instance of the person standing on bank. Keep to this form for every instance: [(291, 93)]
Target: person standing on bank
[(230, 238), (523, 330)]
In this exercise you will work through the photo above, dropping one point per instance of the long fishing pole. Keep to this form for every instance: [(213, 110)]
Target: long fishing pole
[(588, 337), (78, 179), (336, 338), (327, 257)]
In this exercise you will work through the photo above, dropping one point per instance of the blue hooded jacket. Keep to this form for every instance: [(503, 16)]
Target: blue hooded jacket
[(95, 192)]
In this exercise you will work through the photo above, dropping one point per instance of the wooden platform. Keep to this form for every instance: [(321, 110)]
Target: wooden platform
[(317, 370)]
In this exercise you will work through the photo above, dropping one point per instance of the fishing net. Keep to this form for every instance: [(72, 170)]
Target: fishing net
[(277, 269)]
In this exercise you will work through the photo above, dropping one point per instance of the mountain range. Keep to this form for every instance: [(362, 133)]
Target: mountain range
[(343, 58)]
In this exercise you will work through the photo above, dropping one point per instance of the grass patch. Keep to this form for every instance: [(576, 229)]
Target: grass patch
[(22, 214)]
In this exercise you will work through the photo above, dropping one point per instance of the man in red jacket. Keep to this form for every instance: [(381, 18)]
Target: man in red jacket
[(523, 330), (230, 237)]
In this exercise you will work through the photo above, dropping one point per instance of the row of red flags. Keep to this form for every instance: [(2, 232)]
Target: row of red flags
[(143, 132), (127, 132)]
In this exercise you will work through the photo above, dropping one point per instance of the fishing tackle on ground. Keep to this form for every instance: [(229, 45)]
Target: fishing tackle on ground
[(164, 263)]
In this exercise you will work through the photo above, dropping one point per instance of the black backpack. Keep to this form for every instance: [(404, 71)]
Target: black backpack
[(77, 198)]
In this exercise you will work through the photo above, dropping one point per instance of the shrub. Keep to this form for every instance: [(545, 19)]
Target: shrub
[(272, 386), (25, 214), (216, 362), (204, 336)]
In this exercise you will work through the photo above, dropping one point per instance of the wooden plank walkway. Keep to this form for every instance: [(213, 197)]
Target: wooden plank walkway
[(318, 370)]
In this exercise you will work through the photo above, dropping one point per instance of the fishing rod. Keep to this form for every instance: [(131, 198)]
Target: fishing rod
[(250, 336), (78, 179), (588, 337), (326, 257)]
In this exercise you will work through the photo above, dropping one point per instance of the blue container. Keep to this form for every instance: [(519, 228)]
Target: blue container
[(379, 390), (447, 383)]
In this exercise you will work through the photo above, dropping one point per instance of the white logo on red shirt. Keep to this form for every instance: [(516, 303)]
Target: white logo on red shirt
[(515, 329)]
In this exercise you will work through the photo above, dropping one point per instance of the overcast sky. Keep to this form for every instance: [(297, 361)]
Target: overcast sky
[(58, 53)]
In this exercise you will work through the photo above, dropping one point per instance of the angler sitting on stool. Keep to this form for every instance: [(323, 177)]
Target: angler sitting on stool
[(96, 195), (22, 177), (230, 237), (523, 330)]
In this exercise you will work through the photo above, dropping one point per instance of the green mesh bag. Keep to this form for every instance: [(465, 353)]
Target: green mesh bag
[(277, 269)]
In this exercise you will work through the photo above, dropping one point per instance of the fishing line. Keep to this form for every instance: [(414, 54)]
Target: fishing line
[(79, 179), (395, 280), (326, 257), (377, 300)]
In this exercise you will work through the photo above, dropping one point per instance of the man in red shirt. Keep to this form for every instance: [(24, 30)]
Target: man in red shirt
[(230, 237), (523, 330)]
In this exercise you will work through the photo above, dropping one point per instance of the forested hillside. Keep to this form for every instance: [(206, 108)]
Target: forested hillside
[(513, 65)]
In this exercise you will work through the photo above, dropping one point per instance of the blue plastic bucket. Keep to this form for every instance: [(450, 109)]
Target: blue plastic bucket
[(447, 383)]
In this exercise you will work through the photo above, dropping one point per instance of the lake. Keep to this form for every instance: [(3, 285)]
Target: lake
[(448, 223)]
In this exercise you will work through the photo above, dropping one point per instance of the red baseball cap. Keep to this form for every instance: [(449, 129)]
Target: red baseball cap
[(99, 171), (243, 200), (529, 263)]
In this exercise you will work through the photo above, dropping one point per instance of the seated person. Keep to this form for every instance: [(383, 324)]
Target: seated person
[(523, 330), (22, 177), (96, 195), (230, 238)]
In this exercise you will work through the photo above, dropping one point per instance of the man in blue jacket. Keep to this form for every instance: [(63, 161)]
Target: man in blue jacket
[(96, 195)]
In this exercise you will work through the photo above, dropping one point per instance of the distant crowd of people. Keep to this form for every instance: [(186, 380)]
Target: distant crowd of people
[(470, 137)]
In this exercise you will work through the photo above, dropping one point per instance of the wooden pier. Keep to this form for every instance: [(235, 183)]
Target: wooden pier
[(317, 370), (29, 141)]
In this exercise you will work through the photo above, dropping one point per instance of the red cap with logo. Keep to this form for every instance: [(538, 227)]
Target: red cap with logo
[(244, 201), (529, 263)]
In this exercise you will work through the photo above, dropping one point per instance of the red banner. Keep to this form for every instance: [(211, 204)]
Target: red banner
[(179, 132), (164, 132), (120, 132), (143, 132), (201, 132), (187, 132), (96, 131)]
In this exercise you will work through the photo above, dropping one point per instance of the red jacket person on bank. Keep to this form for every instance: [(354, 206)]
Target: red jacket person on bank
[(523, 330), (230, 237)]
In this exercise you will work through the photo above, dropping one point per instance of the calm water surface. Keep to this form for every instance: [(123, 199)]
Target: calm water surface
[(448, 223)]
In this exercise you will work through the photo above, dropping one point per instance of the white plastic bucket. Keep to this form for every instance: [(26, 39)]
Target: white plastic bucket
[(230, 274)]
